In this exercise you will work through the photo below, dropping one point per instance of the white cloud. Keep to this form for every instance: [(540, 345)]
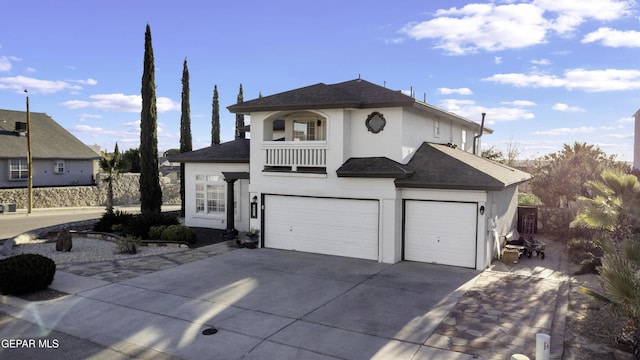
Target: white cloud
[(120, 103), (629, 119), (572, 131), (86, 82), (613, 38), (527, 80), (459, 91), (510, 25), (541, 61), (20, 83), (566, 108), (84, 117), (76, 104), (621, 136), (397, 40), (165, 104), (5, 64), (519, 103), (30, 70), (596, 9), (567, 131), (575, 79), (498, 60), (470, 110), (482, 27), (602, 80), (95, 131)]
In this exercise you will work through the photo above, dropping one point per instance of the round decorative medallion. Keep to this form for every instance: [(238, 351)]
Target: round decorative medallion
[(375, 122)]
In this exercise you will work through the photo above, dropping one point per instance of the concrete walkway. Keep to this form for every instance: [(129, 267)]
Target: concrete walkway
[(269, 304)]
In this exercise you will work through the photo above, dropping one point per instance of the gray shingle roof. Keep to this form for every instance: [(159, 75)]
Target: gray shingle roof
[(374, 167), (439, 166), (49, 140), (357, 93), (235, 151)]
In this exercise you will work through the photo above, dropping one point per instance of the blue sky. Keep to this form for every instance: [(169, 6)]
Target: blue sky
[(546, 72)]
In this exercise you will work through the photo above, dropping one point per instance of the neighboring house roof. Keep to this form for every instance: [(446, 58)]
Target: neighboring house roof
[(49, 140), (235, 151), (353, 94), (439, 166), (374, 167)]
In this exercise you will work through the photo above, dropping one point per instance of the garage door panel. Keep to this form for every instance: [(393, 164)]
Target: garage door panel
[(343, 227), (441, 232)]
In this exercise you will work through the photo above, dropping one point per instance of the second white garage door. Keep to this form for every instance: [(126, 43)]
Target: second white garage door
[(343, 227), (440, 232)]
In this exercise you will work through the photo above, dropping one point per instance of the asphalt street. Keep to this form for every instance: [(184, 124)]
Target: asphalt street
[(13, 224)]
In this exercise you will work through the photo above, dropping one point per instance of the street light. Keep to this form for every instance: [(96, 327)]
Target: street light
[(30, 158)]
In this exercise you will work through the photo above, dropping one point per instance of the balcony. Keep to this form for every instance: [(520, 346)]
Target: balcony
[(295, 156)]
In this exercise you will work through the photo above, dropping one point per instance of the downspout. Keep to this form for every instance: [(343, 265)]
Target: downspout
[(475, 138)]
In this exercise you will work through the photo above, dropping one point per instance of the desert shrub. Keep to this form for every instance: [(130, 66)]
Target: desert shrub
[(178, 233), (586, 253), (25, 273), (140, 224), (155, 232), (109, 219), (127, 245), (529, 199)]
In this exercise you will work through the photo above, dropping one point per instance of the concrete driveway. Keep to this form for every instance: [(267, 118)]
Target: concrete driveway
[(265, 304)]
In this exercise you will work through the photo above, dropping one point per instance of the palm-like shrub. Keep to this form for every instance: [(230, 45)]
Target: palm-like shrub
[(613, 209), (612, 206), (620, 276), (112, 165)]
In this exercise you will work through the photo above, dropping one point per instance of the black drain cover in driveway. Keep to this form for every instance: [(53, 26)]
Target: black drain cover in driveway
[(209, 331)]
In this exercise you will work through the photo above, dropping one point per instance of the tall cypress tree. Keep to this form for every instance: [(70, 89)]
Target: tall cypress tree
[(185, 128), (240, 133), (150, 191), (215, 117)]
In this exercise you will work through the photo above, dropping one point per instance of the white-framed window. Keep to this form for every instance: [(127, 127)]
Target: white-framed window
[(436, 128), (18, 169), (308, 130), (58, 167), (210, 195), (463, 142)]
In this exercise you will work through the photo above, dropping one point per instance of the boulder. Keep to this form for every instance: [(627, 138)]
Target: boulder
[(64, 243), (7, 247)]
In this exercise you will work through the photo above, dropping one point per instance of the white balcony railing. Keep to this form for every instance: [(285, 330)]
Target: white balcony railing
[(296, 154)]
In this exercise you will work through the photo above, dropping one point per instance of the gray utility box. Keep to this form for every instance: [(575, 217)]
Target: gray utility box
[(7, 208)]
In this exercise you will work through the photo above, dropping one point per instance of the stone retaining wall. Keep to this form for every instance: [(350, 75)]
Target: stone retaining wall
[(552, 220), (125, 190)]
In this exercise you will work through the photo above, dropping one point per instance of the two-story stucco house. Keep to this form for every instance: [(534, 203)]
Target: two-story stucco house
[(59, 158), (355, 169)]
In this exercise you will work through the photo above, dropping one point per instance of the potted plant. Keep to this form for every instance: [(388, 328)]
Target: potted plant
[(251, 239)]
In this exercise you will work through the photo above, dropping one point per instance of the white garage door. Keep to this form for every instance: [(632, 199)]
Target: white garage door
[(343, 227), (440, 232)]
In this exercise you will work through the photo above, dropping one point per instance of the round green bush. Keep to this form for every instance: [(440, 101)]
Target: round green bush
[(25, 273), (155, 232), (178, 233)]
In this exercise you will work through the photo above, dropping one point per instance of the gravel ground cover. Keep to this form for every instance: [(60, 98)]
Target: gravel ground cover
[(89, 250)]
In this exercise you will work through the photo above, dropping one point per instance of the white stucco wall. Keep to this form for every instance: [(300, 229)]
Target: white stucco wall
[(502, 217), (216, 221), (387, 143), (347, 136)]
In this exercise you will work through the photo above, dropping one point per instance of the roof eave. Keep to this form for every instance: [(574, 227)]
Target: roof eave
[(223, 161), (450, 115)]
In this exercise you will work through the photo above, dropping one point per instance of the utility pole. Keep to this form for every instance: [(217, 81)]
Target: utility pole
[(29, 159)]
